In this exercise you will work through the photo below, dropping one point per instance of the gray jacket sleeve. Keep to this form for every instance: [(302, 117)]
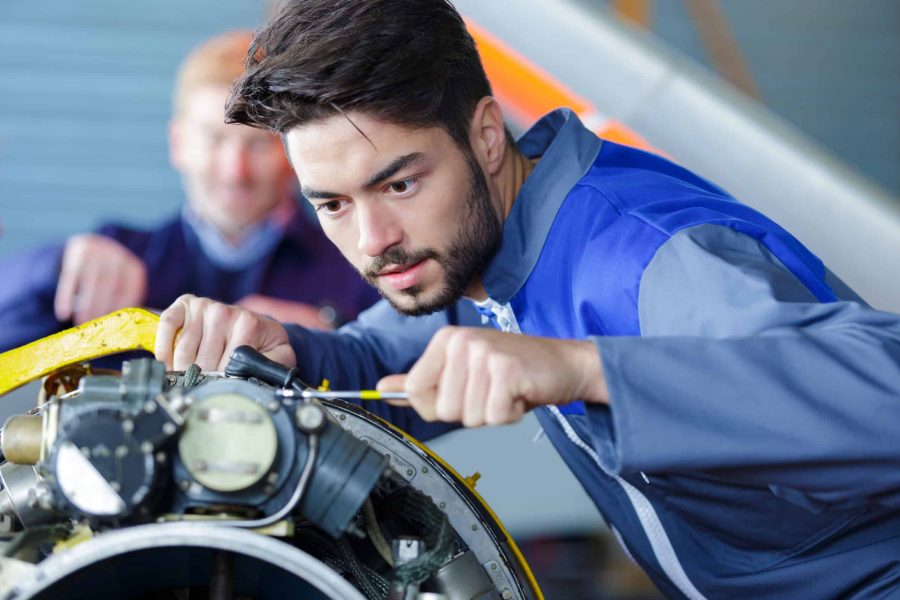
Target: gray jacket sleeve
[(740, 371)]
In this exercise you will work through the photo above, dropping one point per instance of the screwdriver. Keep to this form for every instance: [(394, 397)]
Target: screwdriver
[(349, 394)]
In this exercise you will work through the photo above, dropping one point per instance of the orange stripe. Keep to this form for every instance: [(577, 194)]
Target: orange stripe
[(528, 89), (527, 92)]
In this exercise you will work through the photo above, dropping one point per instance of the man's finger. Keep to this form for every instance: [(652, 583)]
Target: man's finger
[(477, 385), (214, 337), (66, 289), (92, 293), (426, 373), (244, 330), (170, 322), (454, 376), (392, 383), (190, 338)]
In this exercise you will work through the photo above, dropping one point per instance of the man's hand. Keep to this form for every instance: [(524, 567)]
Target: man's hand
[(201, 331), (285, 311), (485, 377), (98, 275)]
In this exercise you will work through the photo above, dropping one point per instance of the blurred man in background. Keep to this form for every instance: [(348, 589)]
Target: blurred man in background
[(240, 238)]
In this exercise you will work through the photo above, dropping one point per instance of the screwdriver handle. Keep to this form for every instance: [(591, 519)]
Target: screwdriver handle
[(246, 361)]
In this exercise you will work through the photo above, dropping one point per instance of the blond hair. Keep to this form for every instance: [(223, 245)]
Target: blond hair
[(216, 62)]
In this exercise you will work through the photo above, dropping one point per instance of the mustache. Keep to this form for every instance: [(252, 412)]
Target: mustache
[(399, 257)]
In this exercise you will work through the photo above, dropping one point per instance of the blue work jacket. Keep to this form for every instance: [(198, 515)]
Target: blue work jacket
[(749, 449)]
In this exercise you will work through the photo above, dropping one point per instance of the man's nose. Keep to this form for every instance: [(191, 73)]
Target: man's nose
[(378, 229), (234, 162)]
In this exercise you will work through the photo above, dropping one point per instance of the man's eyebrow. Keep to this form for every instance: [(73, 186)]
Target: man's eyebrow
[(396, 165), (311, 194)]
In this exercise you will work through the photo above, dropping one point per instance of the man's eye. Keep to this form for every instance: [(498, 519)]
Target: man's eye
[(404, 186), (329, 207)]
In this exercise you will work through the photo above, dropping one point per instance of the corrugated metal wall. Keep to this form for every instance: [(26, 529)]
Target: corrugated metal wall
[(84, 94), (84, 101)]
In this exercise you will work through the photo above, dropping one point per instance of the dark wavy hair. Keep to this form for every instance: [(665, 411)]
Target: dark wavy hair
[(409, 62)]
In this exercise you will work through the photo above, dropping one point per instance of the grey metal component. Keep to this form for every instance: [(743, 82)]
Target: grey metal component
[(434, 481), (345, 473), (12, 571), (493, 570), (701, 122), (134, 539), (310, 417), (142, 378), (83, 485), (463, 578), (405, 549), (26, 495)]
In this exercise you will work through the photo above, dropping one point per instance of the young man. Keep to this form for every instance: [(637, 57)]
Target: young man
[(240, 238), (731, 407)]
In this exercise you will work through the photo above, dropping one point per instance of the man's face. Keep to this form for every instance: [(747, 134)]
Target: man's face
[(234, 175), (407, 207)]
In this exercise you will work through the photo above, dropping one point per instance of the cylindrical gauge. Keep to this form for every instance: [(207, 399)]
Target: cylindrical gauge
[(25, 496), (229, 441), (21, 441), (100, 468)]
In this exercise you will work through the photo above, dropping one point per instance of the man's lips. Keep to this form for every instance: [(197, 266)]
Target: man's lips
[(401, 277)]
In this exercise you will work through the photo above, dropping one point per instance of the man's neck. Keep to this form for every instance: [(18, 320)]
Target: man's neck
[(512, 175)]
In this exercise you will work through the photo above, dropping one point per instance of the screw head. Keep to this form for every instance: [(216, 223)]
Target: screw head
[(310, 417), (506, 594)]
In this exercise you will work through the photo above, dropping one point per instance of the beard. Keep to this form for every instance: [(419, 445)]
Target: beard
[(471, 248)]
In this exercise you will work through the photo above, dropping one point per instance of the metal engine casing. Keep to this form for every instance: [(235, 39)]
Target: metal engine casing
[(191, 501)]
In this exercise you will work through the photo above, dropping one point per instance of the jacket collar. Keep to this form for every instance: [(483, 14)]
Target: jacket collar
[(566, 150)]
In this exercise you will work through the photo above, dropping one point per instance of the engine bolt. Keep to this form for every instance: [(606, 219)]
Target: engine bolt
[(309, 417)]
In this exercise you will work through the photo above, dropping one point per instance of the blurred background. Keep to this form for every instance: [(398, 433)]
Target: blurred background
[(792, 105)]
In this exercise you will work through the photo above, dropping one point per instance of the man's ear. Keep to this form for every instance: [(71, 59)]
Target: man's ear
[(488, 134), (176, 144)]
